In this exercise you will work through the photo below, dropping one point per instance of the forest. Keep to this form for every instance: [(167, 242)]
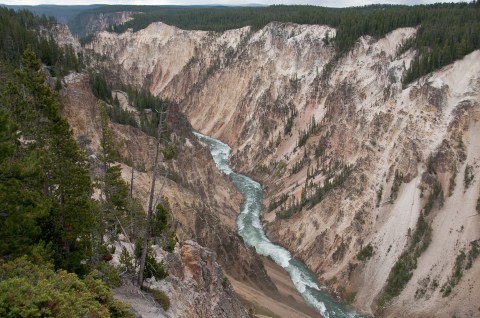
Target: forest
[(142, 100), (55, 238), (19, 31), (446, 31)]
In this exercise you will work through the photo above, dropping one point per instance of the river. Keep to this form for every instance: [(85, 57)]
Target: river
[(250, 229)]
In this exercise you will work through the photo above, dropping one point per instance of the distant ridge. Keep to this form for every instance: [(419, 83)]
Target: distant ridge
[(63, 13)]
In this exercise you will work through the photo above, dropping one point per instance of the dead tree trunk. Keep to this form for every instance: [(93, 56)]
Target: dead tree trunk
[(132, 159), (146, 234)]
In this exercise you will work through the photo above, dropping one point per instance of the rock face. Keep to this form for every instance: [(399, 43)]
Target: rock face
[(366, 157), (62, 35), (197, 286), (154, 57)]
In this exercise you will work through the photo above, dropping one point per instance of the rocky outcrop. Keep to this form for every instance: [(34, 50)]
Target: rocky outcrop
[(197, 286), (62, 35), (297, 117)]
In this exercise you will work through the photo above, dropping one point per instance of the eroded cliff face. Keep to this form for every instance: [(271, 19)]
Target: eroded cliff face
[(347, 156), (155, 56), (62, 35), (196, 285), (198, 270), (203, 201)]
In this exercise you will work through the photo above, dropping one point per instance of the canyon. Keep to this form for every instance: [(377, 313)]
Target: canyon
[(352, 163), (204, 206)]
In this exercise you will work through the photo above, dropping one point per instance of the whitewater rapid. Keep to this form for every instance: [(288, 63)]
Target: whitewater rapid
[(250, 229)]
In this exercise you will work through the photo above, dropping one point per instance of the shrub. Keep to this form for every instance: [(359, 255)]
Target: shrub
[(402, 271), (468, 176), (397, 182), (160, 297), (154, 269), (32, 290), (109, 274), (365, 253), (126, 262)]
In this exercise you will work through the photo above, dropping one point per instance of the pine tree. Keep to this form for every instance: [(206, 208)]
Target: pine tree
[(161, 129), (65, 171), (45, 189), (114, 190)]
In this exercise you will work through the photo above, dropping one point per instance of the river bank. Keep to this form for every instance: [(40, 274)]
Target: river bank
[(287, 302), (250, 229)]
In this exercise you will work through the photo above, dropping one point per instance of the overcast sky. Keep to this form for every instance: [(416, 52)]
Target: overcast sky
[(327, 3)]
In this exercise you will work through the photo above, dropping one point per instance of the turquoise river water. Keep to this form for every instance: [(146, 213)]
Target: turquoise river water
[(250, 229)]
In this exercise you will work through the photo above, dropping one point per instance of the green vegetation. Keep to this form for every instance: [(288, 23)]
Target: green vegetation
[(365, 253), (153, 268), (109, 274), (305, 134), (379, 196), (115, 202), (435, 187), (473, 253), (446, 31), (397, 182), (147, 105), (402, 271), (45, 190), (159, 297), (51, 228), (161, 227), (19, 31), (457, 274), (116, 207), (436, 193), (30, 289), (126, 262), (478, 204), (63, 13), (276, 203), (46, 205), (299, 164), (100, 88), (118, 210), (319, 193), (463, 261), (337, 181), (281, 167), (451, 185), (321, 146), (290, 120), (468, 176), (78, 22)]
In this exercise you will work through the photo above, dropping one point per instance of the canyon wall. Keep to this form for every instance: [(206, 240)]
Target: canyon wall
[(360, 173), (204, 203)]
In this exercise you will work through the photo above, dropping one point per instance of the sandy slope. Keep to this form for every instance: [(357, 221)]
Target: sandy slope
[(287, 303)]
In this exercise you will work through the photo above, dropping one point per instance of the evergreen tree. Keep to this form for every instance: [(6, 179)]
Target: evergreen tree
[(114, 190), (161, 228), (46, 188), (36, 290), (21, 204)]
